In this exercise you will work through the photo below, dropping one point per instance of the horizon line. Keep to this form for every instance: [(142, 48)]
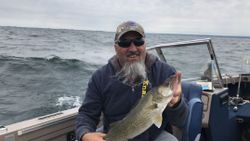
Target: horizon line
[(194, 34)]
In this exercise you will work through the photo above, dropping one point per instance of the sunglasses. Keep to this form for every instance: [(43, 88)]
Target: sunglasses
[(125, 43)]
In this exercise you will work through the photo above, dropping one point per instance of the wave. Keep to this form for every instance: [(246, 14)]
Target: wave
[(69, 101), (32, 82), (55, 60), (51, 57)]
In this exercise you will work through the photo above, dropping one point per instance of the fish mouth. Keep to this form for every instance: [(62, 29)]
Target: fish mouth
[(170, 81)]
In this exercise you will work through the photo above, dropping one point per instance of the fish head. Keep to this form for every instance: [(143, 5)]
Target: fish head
[(164, 93)]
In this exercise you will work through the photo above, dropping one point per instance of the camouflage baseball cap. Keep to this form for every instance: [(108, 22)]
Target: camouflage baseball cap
[(126, 27)]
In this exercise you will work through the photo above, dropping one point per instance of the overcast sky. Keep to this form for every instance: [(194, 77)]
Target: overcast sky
[(214, 17)]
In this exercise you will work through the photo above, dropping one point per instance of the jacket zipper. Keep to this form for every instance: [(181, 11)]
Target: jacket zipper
[(133, 88)]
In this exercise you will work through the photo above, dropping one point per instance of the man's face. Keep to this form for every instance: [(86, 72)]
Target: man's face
[(132, 53)]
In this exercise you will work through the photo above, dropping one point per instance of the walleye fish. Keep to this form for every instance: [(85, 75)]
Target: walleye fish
[(147, 112)]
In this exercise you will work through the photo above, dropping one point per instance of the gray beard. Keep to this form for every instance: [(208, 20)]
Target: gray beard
[(132, 73)]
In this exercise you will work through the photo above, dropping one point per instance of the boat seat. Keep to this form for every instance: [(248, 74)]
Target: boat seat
[(192, 93)]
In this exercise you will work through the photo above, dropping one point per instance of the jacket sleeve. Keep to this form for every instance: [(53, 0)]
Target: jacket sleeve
[(177, 116), (89, 113)]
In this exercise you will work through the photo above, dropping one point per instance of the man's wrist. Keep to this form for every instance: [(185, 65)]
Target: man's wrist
[(176, 104), (84, 133)]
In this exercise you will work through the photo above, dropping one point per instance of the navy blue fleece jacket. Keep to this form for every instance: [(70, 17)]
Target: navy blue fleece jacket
[(105, 94)]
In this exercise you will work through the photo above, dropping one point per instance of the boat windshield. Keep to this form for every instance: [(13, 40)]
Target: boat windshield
[(195, 59)]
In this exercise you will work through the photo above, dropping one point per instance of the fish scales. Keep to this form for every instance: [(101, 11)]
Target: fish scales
[(147, 112)]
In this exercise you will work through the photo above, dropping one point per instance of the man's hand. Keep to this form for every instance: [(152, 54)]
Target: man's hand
[(177, 92), (94, 136)]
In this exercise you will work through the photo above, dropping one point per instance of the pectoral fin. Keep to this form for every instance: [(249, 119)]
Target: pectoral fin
[(157, 119)]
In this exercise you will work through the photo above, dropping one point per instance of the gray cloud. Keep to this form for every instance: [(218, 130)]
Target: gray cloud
[(226, 17)]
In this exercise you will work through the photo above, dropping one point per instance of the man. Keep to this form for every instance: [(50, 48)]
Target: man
[(115, 88)]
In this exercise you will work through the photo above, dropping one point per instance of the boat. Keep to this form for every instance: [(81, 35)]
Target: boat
[(225, 98)]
